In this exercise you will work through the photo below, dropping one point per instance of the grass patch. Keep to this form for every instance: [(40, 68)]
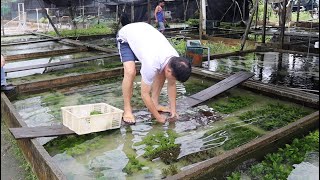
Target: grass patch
[(170, 171), (29, 174), (274, 116), (161, 145), (280, 164), (233, 104)]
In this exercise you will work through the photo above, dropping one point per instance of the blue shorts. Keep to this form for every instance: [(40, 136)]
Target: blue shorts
[(161, 26), (125, 52)]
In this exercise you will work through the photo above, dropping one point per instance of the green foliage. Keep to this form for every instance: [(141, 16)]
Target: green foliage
[(95, 112), (234, 176), (53, 98), (98, 29), (179, 45), (44, 20), (134, 165), (193, 22), (233, 104), (280, 164), (161, 145), (273, 116)]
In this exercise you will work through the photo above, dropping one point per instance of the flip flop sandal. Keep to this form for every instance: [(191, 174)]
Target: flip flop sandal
[(128, 123)]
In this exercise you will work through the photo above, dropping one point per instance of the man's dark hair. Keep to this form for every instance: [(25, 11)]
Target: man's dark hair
[(181, 68), (161, 1)]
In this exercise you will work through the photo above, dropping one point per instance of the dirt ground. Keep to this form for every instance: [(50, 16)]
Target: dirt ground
[(10, 166)]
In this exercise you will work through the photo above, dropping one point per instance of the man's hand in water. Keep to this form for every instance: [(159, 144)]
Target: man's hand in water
[(173, 116)]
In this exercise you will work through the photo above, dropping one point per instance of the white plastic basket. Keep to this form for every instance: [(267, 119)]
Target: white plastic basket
[(78, 118)]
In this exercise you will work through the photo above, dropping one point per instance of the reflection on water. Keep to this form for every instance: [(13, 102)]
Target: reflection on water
[(45, 60), (33, 48), (289, 70)]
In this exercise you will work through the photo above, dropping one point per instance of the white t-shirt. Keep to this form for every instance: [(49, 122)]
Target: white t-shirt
[(150, 46)]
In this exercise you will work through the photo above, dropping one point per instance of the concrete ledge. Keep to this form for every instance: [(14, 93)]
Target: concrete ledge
[(40, 160)]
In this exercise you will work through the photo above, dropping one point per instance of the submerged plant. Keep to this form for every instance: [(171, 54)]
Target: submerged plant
[(233, 104), (134, 165), (161, 145), (273, 116), (194, 85), (170, 171)]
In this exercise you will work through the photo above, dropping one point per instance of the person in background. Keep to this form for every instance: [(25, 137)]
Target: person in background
[(159, 16), (4, 86), (159, 62)]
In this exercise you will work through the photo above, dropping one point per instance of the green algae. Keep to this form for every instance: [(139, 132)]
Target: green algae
[(274, 116)]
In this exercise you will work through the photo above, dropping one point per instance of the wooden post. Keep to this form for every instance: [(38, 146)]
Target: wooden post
[(265, 11), (244, 37), (283, 25), (298, 10), (149, 11), (98, 13), (50, 21), (117, 13)]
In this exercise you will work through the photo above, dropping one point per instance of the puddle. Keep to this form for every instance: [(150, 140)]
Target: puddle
[(196, 136), (289, 70)]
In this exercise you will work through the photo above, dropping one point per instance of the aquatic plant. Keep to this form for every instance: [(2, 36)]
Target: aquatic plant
[(134, 165), (233, 104), (273, 116), (170, 171), (279, 165), (161, 145), (54, 101)]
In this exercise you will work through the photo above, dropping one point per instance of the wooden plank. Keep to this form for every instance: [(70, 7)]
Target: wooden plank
[(215, 90), (59, 63), (40, 131), (28, 42)]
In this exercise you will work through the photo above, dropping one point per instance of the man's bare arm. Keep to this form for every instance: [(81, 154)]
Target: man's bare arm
[(155, 13), (145, 94)]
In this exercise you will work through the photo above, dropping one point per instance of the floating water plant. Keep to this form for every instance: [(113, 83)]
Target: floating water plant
[(233, 104), (170, 171), (274, 116), (279, 165), (134, 165), (161, 145)]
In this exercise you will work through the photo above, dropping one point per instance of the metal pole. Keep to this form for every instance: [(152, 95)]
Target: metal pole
[(265, 11), (283, 25), (298, 10), (50, 21), (37, 10), (200, 21), (132, 12), (117, 12), (204, 16)]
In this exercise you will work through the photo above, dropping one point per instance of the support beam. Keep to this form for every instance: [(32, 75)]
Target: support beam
[(50, 21), (298, 11), (204, 16)]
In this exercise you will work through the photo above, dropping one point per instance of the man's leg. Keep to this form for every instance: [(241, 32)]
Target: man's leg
[(3, 77), (156, 90), (127, 89)]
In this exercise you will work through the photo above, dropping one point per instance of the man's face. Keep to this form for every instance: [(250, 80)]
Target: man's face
[(169, 75), (162, 4)]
